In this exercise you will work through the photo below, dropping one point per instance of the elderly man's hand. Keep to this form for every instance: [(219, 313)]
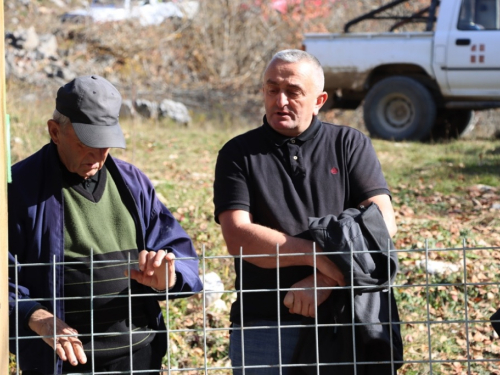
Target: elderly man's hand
[(153, 266), (302, 301), (67, 345)]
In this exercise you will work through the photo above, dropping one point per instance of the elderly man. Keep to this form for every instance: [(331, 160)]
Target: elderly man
[(268, 182), (98, 246)]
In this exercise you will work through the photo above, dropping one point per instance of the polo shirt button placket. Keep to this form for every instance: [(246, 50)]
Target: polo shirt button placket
[(294, 152)]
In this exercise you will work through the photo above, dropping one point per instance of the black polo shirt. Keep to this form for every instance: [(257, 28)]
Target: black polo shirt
[(283, 181)]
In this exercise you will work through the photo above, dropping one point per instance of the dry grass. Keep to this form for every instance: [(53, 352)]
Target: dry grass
[(432, 199)]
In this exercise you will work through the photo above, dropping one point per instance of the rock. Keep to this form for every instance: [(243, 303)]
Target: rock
[(219, 305), (30, 98), (57, 71), (10, 64), (212, 283), (127, 109), (175, 110), (48, 47), (28, 39), (436, 267), (59, 3), (66, 74), (482, 188), (189, 8), (146, 108)]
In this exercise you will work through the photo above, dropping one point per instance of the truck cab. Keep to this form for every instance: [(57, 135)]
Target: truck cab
[(467, 49)]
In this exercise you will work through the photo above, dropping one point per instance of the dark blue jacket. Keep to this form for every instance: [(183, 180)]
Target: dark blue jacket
[(358, 243), (36, 235)]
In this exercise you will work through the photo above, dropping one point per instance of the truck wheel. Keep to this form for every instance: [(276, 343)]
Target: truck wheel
[(453, 123), (399, 108)]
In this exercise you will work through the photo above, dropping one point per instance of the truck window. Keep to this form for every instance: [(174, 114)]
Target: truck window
[(479, 15)]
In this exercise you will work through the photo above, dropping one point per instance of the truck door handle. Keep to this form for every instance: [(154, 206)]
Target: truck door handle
[(462, 42)]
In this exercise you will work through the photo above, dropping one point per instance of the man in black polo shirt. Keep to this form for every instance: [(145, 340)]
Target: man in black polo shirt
[(268, 182)]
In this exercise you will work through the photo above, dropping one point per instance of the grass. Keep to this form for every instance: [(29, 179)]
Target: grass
[(440, 203)]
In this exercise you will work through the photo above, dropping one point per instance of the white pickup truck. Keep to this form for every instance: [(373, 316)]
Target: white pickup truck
[(416, 85)]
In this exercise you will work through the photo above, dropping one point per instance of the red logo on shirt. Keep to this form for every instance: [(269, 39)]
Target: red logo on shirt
[(334, 170)]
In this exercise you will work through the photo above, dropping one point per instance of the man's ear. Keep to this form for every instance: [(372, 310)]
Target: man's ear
[(320, 101), (54, 131)]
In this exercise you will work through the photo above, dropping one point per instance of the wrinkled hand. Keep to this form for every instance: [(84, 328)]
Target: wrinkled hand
[(302, 301), (68, 348), (153, 266)]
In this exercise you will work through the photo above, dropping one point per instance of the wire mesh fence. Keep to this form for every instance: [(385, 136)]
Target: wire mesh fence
[(445, 299)]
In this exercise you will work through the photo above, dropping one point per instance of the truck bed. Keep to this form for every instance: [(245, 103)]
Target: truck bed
[(348, 59)]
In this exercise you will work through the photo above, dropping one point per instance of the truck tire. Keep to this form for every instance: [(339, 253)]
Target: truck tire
[(399, 108), (453, 123)]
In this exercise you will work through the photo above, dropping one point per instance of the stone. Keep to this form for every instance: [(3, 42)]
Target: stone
[(48, 47), (175, 110), (29, 39), (213, 286), (127, 109), (146, 108)]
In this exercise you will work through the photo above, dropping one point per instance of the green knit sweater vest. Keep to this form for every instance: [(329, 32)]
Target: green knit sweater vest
[(101, 311)]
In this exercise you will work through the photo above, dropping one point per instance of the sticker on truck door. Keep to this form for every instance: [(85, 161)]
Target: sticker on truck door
[(477, 53)]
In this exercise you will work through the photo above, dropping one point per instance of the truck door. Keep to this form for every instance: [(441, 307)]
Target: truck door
[(473, 50)]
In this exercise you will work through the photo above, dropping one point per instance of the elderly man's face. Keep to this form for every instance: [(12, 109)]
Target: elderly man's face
[(78, 158), (291, 97)]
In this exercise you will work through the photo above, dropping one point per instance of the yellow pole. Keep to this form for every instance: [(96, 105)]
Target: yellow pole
[(4, 312)]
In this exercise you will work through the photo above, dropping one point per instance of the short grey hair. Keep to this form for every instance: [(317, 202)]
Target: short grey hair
[(60, 118), (297, 55)]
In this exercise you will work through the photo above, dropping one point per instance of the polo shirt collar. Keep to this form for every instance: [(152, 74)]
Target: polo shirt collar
[(73, 179), (280, 139), (91, 188)]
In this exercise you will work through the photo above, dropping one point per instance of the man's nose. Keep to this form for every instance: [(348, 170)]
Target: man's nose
[(282, 99)]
